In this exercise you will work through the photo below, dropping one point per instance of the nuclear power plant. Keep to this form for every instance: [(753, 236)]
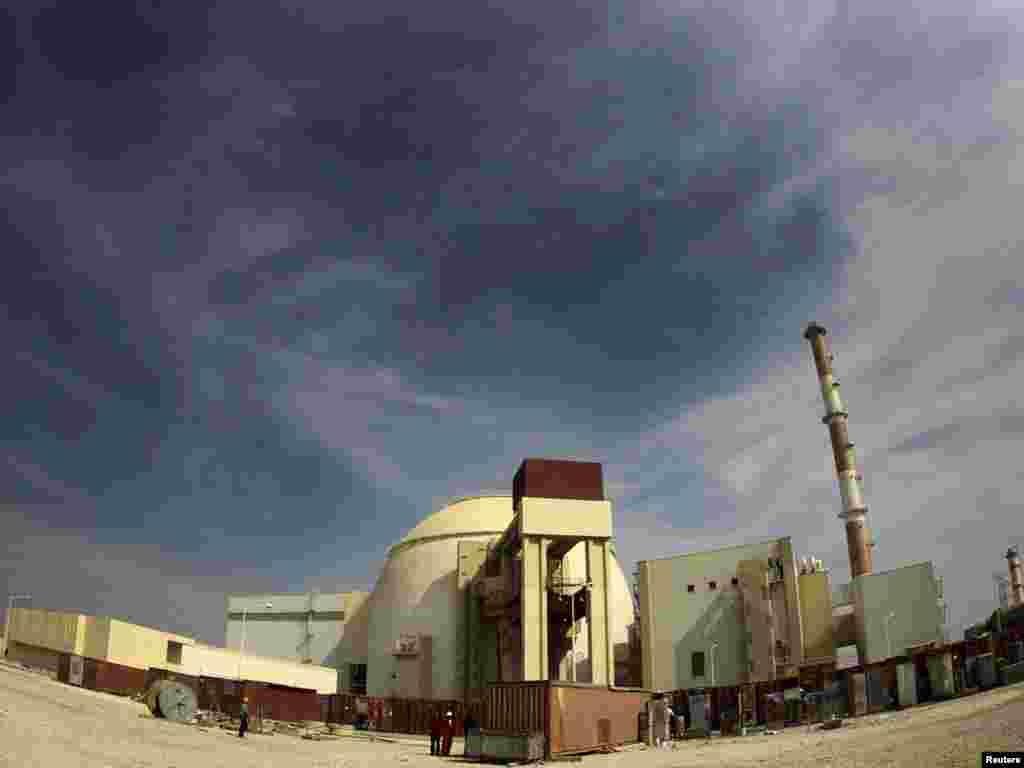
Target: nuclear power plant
[(489, 588), (516, 607)]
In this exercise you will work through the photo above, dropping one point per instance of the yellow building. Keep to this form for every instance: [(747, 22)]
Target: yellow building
[(110, 654)]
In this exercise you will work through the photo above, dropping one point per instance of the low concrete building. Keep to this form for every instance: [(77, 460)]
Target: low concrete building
[(897, 609), (124, 652), (723, 617)]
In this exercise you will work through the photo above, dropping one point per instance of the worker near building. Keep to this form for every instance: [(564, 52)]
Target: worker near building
[(435, 733), (243, 718), (447, 732), (469, 728)]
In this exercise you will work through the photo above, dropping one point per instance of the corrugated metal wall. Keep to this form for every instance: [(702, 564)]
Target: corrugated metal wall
[(515, 707)]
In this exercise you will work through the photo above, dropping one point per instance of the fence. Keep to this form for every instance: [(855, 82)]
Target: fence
[(393, 715), (516, 707)]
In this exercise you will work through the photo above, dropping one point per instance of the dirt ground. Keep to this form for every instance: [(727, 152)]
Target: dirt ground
[(45, 723)]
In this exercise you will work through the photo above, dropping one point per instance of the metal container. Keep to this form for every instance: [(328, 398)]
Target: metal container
[(76, 670), (520, 747), (986, 670), (1014, 673), (1015, 652), (906, 684)]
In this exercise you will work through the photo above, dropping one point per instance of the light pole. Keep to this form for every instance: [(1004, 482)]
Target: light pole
[(888, 635), (241, 654), (712, 654), (7, 619)]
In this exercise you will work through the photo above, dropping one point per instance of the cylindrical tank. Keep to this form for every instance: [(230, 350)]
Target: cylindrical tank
[(172, 700)]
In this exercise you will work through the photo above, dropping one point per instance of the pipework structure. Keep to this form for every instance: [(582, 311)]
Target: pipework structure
[(1016, 583), (854, 510)]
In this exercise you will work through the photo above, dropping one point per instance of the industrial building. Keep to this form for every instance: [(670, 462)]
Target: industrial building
[(752, 613), (489, 588), (312, 628), (721, 617), (117, 656)]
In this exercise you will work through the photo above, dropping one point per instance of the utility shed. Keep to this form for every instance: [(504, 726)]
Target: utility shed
[(723, 617), (896, 609)]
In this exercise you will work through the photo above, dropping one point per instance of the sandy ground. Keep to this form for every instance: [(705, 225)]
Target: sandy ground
[(45, 723)]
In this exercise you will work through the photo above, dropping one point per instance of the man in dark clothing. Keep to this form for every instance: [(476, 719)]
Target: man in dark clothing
[(243, 719), (435, 734), (469, 726)]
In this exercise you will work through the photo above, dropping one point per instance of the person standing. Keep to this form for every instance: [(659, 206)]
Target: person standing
[(435, 733), (447, 732), (243, 718), (469, 728)]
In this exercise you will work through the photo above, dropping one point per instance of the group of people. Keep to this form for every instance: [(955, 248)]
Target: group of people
[(442, 730)]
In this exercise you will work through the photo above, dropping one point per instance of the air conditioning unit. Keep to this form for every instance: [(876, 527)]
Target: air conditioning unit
[(407, 645)]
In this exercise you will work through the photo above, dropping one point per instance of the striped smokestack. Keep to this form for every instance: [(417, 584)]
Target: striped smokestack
[(1016, 586), (858, 541)]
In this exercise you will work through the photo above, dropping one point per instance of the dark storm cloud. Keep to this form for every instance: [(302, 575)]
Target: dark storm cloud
[(279, 271)]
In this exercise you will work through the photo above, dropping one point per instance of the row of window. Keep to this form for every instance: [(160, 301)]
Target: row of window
[(711, 585)]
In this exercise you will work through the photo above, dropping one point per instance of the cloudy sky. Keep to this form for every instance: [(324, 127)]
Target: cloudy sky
[(280, 281)]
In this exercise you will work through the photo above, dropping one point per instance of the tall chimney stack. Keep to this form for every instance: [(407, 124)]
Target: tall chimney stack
[(854, 512), (1016, 586)]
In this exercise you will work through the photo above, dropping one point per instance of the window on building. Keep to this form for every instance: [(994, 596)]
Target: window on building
[(712, 585), (357, 678), (690, 588), (173, 652), (698, 664), (735, 581)]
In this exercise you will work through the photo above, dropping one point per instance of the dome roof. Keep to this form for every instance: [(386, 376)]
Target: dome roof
[(470, 516)]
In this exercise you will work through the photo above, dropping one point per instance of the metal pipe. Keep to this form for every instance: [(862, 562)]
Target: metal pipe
[(712, 654), (854, 510), (241, 654), (888, 634), (241, 651)]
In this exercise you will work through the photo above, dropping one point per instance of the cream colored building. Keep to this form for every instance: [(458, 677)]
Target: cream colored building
[(424, 633), (40, 638), (720, 617)]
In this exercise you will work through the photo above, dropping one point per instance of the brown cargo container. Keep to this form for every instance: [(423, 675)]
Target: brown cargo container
[(585, 717)]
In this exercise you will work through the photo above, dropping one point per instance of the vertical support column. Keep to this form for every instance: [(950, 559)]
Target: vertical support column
[(534, 606), (601, 659), (795, 624)]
